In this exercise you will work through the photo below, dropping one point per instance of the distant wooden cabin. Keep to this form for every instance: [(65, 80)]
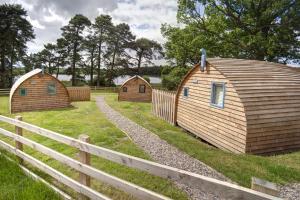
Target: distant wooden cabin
[(37, 90), (242, 106), (135, 89)]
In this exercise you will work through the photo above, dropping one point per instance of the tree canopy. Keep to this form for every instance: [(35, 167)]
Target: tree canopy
[(251, 29)]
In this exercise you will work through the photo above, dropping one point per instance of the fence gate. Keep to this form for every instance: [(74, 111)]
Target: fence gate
[(163, 105)]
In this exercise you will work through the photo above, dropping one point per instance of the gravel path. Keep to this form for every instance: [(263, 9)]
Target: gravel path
[(164, 153), (161, 151)]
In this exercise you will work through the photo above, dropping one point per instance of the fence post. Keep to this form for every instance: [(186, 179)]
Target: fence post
[(84, 158), (19, 131)]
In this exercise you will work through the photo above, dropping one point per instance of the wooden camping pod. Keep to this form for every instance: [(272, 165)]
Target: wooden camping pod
[(37, 90), (135, 89), (261, 106)]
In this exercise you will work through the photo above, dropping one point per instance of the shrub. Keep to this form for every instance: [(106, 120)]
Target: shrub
[(146, 78), (171, 77)]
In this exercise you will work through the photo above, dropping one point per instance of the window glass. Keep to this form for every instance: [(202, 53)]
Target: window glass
[(142, 89), (51, 88), (185, 92), (218, 94), (23, 92), (124, 89)]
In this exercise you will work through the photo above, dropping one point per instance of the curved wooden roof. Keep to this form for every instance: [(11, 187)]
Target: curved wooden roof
[(134, 77), (21, 80)]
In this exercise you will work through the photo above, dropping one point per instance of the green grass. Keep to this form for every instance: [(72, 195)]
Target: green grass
[(14, 184), (85, 118), (240, 168)]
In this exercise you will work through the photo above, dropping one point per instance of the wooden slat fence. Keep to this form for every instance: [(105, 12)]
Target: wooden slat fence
[(4, 92), (79, 93), (220, 188), (163, 105)]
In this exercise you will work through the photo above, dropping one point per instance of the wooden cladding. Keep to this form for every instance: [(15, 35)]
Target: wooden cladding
[(261, 106), (163, 105), (79, 93)]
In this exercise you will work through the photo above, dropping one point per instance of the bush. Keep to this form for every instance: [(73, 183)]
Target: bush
[(146, 78), (171, 77)]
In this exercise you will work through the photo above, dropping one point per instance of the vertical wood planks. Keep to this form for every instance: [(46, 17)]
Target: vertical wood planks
[(19, 131), (79, 93), (163, 105), (84, 158)]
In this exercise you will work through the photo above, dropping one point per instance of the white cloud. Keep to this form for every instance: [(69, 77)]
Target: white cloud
[(35, 23)]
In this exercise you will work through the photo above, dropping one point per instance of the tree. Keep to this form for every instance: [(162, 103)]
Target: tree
[(73, 34), (48, 57), (251, 29), (146, 50), (62, 53), (120, 39), (15, 32), (90, 47), (103, 26)]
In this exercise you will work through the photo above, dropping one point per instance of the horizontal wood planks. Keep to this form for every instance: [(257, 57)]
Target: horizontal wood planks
[(163, 105), (79, 93), (270, 94), (225, 128), (132, 92), (223, 189), (37, 97)]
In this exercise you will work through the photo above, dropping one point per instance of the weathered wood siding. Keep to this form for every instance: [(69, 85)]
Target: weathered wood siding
[(163, 105), (79, 93), (225, 128), (270, 94), (133, 94), (37, 97)]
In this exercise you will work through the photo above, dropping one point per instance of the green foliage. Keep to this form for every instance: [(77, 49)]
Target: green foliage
[(262, 30), (146, 78), (86, 118), (15, 184), (281, 169), (15, 32), (172, 76)]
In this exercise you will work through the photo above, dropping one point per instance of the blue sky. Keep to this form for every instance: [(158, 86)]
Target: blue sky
[(144, 16)]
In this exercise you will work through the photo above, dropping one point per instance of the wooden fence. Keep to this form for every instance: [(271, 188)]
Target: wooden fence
[(163, 105), (4, 92), (220, 188), (105, 89), (79, 93)]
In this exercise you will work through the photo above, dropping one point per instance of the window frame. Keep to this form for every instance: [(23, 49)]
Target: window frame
[(187, 89), (212, 94), (124, 89), (20, 93), (144, 88), (55, 92)]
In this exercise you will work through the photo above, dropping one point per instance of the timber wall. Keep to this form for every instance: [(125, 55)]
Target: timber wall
[(79, 93), (37, 97), (133, 94), (225, 128)]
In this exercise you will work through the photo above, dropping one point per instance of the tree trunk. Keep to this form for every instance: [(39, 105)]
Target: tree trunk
[(99, 63), (73, 65), (139, 63), (11, 77), (112, 66), (92, 67)]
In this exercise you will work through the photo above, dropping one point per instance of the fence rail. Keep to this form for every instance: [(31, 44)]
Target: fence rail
[(105, 89), (4, 92), (163, 105), (79, 93), (223, 189)]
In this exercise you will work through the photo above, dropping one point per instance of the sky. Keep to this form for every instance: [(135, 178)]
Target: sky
[(144, 16)]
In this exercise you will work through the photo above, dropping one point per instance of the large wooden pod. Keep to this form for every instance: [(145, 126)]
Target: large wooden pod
[(37, 90), (135, 89), (242, 106)]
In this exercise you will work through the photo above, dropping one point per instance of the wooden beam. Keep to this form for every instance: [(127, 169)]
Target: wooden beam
[(84, 158), (221, 188), (136, 191), (19, 131), (54, 173)]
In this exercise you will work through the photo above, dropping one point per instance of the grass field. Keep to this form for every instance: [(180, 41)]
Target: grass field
[(84, 117), (280, 169), (12, 179)]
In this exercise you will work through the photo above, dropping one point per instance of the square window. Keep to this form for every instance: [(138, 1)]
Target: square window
[(142, 89), (185, 91), (51, 89), (217, 94), (23, 92), (124, 89)]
